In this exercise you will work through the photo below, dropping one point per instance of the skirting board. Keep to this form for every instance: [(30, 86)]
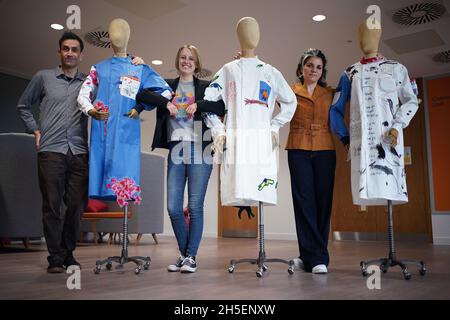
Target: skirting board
[(441, 241), (377, 236)]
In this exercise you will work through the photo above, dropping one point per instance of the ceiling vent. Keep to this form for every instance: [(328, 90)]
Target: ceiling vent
[(442, 57), (98, 38), (419, 13)]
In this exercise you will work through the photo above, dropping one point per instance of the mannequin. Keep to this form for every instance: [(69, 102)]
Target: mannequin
[(248, 33), (382, 104), (108, 95), (249, 88), (369, 43), (250, 133)]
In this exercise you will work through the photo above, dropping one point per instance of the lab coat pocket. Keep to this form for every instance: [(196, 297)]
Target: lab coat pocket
[(387, 84), (130, 131)]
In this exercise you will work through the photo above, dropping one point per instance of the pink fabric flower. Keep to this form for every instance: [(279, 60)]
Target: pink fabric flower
[(125, 190)]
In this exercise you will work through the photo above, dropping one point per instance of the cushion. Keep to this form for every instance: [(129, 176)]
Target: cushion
[(96, 206)]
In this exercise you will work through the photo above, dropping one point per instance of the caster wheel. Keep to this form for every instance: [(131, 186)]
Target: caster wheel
[(231, 269), (363, 269), (291, 271), (146, 265), (264, 268), (383, 268), (423, 269), (137, 270), (406, 274), (97, 269), (259, 274), (108, 266)]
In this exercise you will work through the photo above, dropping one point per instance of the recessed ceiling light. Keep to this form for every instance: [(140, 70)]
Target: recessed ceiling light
[(319, 17), (157, 62), (56, 26)]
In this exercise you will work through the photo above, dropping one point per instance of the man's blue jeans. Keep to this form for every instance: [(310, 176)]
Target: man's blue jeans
[(186, 163)]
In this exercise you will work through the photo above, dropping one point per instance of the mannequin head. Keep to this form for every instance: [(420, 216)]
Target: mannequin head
[(248, 33), (369, 35), (119, 34)]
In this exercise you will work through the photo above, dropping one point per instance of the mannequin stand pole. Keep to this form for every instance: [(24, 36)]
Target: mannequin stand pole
[(261, 260), (392, 261), (139, 261)]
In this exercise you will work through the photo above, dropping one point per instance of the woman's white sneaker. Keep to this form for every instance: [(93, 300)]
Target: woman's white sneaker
[(189, 265), (176, 266), (320, 269)]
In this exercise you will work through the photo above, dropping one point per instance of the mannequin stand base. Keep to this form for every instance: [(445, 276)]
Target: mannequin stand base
[(261, 262), (141, 262), (386, 263)]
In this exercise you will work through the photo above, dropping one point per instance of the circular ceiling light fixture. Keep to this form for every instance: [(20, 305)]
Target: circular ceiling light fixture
[(319, 18), (56, 26), (157, 62)]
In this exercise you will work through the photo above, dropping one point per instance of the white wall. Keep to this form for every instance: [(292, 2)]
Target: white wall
[(279, 220), (441, 229)]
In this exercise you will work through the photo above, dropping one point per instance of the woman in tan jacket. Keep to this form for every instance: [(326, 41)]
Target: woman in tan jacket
[(312, 162)]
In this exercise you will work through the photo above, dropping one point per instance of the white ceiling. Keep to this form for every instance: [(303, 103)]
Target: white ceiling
[(159, 30)]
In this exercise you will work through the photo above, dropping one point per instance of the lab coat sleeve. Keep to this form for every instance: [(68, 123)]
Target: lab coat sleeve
[(337, 110), (287, 100), (215, 93), (88, 92), (408, 100), (152, 81)]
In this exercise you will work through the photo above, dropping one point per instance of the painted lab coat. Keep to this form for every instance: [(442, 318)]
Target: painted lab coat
[(249, 88), (381, 98), (115, 144)]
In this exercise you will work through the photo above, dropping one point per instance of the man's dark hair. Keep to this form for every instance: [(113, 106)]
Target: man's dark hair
[(68, 35)]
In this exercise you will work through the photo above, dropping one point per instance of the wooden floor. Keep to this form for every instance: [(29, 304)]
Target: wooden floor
[(23, 273)]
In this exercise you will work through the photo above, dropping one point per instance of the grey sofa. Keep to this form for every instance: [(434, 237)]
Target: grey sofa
[(20, 197), (148, 217)]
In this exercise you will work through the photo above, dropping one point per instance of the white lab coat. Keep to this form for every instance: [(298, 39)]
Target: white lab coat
[(249, 88), (381, 98)]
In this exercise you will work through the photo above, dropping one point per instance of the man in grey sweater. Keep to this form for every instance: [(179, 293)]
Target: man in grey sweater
[(61, 143)]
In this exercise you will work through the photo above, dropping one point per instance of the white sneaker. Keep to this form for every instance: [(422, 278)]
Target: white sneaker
[(298, 264), (320, 269), (189, 265), (177, 265)]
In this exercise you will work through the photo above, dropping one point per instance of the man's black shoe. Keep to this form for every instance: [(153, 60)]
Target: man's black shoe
[(55, 269), (70, 261)]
